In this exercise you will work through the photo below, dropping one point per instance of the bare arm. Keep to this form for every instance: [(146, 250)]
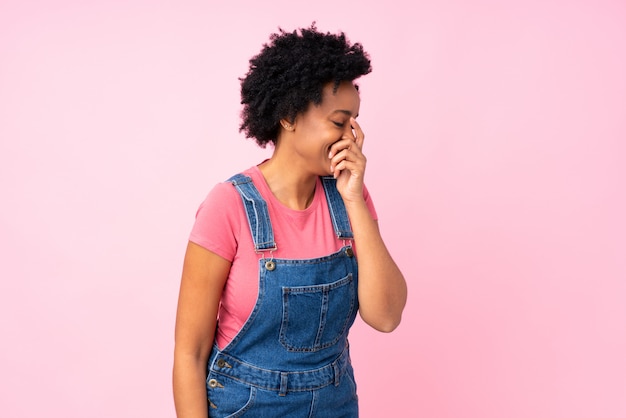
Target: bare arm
[(382, 288), (203, 278)]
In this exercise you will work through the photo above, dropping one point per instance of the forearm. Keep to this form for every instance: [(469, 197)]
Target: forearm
[(204, 275), (189, 376), (382, 288)]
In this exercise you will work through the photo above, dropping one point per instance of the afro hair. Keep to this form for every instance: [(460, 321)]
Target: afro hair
[(290, 72)]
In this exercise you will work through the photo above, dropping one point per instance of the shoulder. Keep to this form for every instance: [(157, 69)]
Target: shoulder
[(221, 197), (218, 221), (224, 194)]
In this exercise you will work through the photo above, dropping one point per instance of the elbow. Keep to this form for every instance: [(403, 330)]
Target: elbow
[(383, 324), (389, 326), (382, 310)]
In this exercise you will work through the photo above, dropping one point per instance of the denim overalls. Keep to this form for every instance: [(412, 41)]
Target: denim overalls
[(291, 358)]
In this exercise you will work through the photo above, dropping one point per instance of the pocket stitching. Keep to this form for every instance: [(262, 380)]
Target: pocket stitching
[(345, 281)]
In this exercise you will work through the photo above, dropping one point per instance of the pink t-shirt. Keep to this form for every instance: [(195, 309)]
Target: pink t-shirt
[(222, 227)]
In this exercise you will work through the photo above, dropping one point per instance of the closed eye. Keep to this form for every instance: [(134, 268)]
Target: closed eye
[(339, 124)]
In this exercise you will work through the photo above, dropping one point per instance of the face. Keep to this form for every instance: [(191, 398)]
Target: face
[(322, 125)]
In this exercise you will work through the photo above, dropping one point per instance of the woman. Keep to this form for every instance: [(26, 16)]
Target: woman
[(286, 252)]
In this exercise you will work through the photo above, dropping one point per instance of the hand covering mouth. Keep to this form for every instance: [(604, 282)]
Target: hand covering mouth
[(330, 146)]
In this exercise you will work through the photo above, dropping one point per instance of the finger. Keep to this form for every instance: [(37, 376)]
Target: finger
[(358, 132), (350, 151), (337, 147), (337, 158), (355, 168), (352, 156)]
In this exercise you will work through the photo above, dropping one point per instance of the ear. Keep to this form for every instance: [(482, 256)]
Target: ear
[(288, 126)]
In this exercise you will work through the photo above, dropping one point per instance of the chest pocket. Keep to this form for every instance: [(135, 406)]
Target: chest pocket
[(316, 317)]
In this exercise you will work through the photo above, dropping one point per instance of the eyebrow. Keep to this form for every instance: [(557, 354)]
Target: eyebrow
[(346, 112)]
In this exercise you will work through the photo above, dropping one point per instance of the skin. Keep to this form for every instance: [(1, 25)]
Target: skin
[(324, 140)]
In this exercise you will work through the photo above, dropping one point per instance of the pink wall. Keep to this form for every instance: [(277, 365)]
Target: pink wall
[(496, 139)]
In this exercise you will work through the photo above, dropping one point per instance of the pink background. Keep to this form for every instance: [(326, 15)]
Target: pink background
[(496, 141)]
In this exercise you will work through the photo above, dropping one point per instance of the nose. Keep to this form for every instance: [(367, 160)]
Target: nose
[(349, 131)]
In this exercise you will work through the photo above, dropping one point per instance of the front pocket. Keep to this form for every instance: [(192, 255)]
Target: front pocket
[(316, 317)]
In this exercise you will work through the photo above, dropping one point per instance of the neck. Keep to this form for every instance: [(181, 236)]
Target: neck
[(292, 186)]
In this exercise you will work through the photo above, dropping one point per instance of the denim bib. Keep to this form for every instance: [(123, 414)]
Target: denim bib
[(291, 357)]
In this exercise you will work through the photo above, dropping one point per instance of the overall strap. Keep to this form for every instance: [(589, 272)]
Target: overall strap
[(337, 209), (257, 213)]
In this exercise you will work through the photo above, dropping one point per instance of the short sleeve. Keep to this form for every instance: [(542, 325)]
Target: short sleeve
[(218, 223)]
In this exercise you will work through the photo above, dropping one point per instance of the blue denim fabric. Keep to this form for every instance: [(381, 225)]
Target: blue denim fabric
[(335, 201), (256, 210), (291, 358)]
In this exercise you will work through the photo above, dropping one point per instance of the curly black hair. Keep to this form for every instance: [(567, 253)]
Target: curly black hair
[(290, 73)]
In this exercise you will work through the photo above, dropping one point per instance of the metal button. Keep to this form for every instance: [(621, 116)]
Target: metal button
[(349, 252), (215, 384), (270, 265), (221, 363)]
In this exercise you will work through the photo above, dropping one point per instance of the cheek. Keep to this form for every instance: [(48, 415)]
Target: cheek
[(322, 137)]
